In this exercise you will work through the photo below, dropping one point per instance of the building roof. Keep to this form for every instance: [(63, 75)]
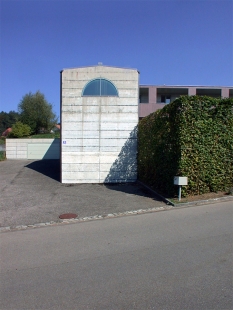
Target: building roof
[(184, 86), (6, 132), (99, 65)]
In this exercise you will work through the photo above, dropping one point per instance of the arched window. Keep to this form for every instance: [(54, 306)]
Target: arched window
[(100, 87)]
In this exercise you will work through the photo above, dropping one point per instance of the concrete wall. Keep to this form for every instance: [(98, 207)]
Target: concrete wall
[(32, 148), (98, 134)]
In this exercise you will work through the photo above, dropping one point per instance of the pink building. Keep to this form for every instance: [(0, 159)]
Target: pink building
[(155, 97)]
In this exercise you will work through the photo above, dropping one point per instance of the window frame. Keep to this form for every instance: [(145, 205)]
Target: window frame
[(99, 79)]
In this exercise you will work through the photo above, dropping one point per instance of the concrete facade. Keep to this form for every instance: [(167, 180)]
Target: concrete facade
[(98, 133), (32, 148), (155, 97)]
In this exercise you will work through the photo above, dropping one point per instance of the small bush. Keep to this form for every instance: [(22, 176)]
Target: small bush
[(20, 130), (2, 140), (2, 155)]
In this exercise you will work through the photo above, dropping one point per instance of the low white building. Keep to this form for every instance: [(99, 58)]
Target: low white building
[(99, 116)]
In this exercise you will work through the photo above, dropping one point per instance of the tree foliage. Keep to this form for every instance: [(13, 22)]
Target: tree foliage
[(7, 120), (20, 130), (36, 112)]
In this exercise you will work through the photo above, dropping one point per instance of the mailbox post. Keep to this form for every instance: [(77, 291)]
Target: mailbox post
[(180, 181)]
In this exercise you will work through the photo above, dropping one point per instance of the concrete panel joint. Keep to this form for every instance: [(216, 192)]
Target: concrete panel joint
[(99, 133)]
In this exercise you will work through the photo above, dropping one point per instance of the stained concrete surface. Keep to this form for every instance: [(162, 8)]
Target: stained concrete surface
[(31, 192)]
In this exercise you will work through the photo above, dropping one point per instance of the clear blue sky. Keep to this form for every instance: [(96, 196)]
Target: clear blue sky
[(187, 42)]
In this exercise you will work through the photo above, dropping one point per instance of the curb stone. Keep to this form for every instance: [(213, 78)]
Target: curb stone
[(186, 204), (203, 202), (84, 219)]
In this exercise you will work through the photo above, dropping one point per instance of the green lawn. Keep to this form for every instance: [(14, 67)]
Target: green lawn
[(46, 135)]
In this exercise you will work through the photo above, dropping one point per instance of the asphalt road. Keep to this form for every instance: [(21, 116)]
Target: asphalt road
[(178, 259), (30, 193)]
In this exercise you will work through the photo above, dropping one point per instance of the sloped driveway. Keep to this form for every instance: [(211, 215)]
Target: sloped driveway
[(30, 192)]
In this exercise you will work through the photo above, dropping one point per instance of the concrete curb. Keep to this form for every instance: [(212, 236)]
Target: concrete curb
[(84, 219), (203, 202), (187, 204)]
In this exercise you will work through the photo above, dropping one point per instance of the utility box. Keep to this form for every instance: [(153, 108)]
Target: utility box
[(180, 181)]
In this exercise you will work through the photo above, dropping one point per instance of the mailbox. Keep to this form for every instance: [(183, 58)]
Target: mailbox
[(180, 181)]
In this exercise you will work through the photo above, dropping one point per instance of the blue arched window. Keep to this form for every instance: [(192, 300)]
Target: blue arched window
[(100, 87)]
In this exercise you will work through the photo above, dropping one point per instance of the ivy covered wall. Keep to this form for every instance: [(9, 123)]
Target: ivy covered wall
[(193, 137)]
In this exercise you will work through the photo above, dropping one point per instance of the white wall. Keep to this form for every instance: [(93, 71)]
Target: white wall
[(98, 138), (32, 148)]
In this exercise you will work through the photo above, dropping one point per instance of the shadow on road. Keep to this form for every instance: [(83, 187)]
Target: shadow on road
[(132, 189), (51, 169), (48, 167)]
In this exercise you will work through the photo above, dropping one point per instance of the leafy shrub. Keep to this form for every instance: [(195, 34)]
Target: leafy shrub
[(193, 137), (2, 155), (2, 140), (20, 130)]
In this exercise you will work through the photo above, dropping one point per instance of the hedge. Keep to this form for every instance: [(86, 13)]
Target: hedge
[(193, 137)]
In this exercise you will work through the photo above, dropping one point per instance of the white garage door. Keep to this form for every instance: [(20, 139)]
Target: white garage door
[(44, 150)]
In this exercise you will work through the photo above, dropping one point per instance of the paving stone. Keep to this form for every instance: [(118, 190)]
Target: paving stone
[(2, 229)]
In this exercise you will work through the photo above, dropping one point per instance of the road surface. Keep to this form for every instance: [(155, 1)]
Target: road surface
[(179, 259)]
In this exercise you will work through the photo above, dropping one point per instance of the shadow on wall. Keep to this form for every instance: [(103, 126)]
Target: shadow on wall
[(44, 150), (48, 167), (124, 169), (122, 176), (54, 151)]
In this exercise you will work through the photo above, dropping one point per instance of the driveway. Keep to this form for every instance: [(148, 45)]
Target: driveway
[(30, 192)]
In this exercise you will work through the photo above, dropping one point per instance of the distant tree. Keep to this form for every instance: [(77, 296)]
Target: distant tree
[(7, 120), (20, 130), (36, 112)]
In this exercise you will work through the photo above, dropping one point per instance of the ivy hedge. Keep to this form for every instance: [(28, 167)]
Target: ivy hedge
[(193, 137)]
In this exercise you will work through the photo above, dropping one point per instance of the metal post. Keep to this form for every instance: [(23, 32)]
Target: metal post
[(179, 192)]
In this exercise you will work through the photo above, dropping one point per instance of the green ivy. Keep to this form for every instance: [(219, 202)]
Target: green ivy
[(193, 137)]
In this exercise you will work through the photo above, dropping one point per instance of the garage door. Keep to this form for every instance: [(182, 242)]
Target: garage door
[(44, 150)]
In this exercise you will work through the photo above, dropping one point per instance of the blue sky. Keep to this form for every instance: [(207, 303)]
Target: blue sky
[(174, 42)]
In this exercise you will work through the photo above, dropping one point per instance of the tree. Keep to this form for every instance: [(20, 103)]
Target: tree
[(7, 120), (36, 112), (20, 130)]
